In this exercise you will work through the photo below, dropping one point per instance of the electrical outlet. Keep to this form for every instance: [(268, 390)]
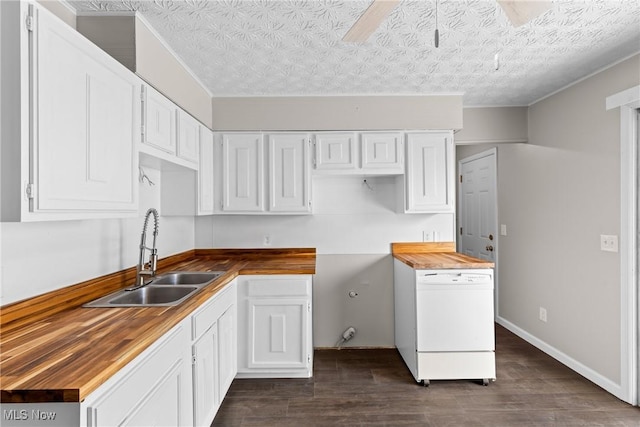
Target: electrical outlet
[(426, 236), (543, 314), (608, 243), (266, 240)]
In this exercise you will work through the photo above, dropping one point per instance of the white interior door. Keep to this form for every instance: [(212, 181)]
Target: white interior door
[(627, 103), (477, 219), (634, 388)]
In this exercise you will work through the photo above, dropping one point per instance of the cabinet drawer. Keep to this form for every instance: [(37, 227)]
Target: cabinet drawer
[(212, 310), (279, 286)]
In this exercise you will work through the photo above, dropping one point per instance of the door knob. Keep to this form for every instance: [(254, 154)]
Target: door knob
[(489, 248)]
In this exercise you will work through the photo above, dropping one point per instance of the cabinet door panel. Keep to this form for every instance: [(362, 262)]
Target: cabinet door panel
[(162, 406), (429, 172), (242, 173), (382, 151), (151, 390), (277, 333), (84, 125), (206, 173), (205, 377), (335, 151), (289, 173), (227, 349), (188, 137), (159, 121)]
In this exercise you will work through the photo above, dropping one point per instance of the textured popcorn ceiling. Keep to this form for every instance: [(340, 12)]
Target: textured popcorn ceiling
[(266, 47)]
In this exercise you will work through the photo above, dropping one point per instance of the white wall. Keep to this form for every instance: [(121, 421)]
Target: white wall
[(365, 112), (44, 256), (557, 195), (493, 125), (62, 11), (158, 66), (351, 228)]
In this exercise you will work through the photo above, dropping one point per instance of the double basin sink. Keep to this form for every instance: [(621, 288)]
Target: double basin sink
[(166, 290)]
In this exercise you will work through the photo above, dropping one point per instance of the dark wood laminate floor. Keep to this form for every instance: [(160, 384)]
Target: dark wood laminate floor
[(374, 388)]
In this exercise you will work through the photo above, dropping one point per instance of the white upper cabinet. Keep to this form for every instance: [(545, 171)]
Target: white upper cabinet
[(382, 151), (188, 137), (185, 191), (242, 172), (363, 153), (168, 132), (159, 121), (253, 181), (335, 151), (84, 126), (289, 183), (430, 180), (206, 173)]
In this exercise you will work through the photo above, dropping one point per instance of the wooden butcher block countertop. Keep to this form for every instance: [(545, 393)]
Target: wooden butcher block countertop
[(54, 350), (429, 256)]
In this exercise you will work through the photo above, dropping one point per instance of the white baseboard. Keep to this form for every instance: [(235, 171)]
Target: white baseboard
[(585, 371)]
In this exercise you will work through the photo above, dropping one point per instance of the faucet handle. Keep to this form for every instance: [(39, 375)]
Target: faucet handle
[(153, 261)]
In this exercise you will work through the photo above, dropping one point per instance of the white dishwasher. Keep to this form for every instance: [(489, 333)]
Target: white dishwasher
[(445, 323)]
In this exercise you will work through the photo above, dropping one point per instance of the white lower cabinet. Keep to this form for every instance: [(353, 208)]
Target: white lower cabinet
[(206, 399), (152, 390), (214, 353), (180, 380), (254, 327), (274, 327), (228, 345)]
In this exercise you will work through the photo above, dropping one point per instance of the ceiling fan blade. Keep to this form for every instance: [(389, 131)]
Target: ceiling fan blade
[(369, 21), (520, 12)]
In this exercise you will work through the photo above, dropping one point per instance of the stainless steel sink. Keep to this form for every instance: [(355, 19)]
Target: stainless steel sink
[(154, 295), (166, 290), (179, 278)]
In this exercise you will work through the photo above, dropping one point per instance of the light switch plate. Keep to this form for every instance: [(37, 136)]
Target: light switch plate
[(608, 243), (503, 229)]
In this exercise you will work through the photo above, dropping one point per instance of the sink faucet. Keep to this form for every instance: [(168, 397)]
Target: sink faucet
[(147, 269)]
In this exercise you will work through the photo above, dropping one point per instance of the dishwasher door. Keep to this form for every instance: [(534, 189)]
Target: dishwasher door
[(455, 312)]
